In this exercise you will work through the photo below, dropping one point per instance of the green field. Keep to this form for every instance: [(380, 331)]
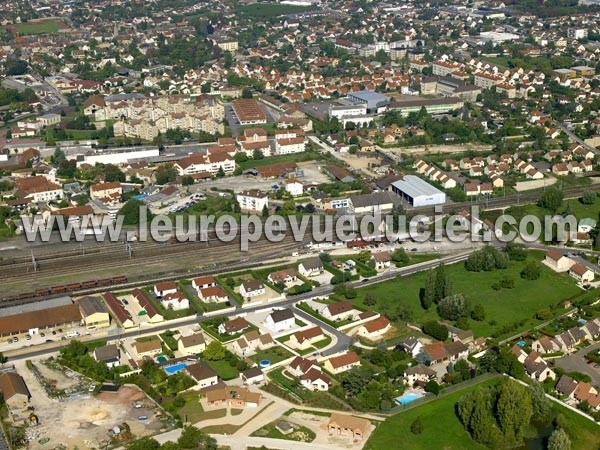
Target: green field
[(42, 27), (443, 430), (274, 354), (270, 10), (502, 308), (294, 157)]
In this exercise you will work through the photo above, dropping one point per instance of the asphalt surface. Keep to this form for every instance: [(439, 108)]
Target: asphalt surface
[(578, 362), (342, 340)]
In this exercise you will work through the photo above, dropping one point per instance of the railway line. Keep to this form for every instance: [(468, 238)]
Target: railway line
[(220, 263), (112, 256)]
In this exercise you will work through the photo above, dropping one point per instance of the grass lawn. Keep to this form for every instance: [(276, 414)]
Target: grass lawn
[(41, 27), (269, 10), (274, 354), (294, 157), (503, 308), (443, 430), (300, 433), (225, 370), (193, 409)]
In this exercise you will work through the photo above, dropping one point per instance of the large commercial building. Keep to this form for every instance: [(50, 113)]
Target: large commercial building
[(418, 192), (431, 105), (375, 102), (248, 111)]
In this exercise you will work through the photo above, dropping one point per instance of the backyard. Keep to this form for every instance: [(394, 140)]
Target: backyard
[(503, 308)]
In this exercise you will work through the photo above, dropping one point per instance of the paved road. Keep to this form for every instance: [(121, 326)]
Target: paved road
[(577, 362), (576, 138), (319, 291)]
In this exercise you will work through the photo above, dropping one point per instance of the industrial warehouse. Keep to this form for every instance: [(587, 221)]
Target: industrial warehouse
[(418, 192)]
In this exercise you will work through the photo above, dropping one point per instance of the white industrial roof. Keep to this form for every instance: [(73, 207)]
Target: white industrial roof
[(414, 186)]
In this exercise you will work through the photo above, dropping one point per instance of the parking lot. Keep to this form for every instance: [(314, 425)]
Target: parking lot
[(577, 362)]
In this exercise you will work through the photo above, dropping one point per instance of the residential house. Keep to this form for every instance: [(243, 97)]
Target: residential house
[(299, 366), (151, 347), (202, 374), (280, 320), (162, 289), (252, 375), (311, 267), (176, 301), (252, 341), (108, 354), (537, 368), (233, 397), (338, 311), (204, 282), (315, 380), (285, 276), (557, 261), (419, 374), (303, 340), (374, 329), (233, 326), (383, 260), (410, 345), (213, 294), (351, 426), (342, 363), (252, 288), (581, 273), (192, 344)]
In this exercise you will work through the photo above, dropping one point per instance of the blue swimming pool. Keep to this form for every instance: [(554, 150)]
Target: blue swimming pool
[(521, 343), (161, 358), (175, 368), (406, 398)]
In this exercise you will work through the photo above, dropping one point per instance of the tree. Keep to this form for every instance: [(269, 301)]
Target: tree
[(370, 299), (453, 307), (559, 440), (131, 212), (417, 426), (551, 199), (246, 93), (433, 387), (443, 285), (435, 329), (428, 297), (192, 438), (265, 211), (187, 180), (165, 173), (58, 157), (257, 154), (478, 313), (214, 351), (513, 409), (531, 271), (400, 256), (145, 443), (516, 252), (541, 405), (588, 198)]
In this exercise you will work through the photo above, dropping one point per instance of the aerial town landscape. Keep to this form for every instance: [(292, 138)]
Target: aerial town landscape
[(472, 128)]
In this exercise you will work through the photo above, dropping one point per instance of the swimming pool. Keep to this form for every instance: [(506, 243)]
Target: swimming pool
[(175, 368), (161, 358), (521, 343), (406, 398)]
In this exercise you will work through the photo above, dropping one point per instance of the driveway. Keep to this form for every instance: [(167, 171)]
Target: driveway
[(577, 362)]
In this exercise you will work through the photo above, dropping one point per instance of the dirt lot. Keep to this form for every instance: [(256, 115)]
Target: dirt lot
[(85, 422), (318, 424)]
